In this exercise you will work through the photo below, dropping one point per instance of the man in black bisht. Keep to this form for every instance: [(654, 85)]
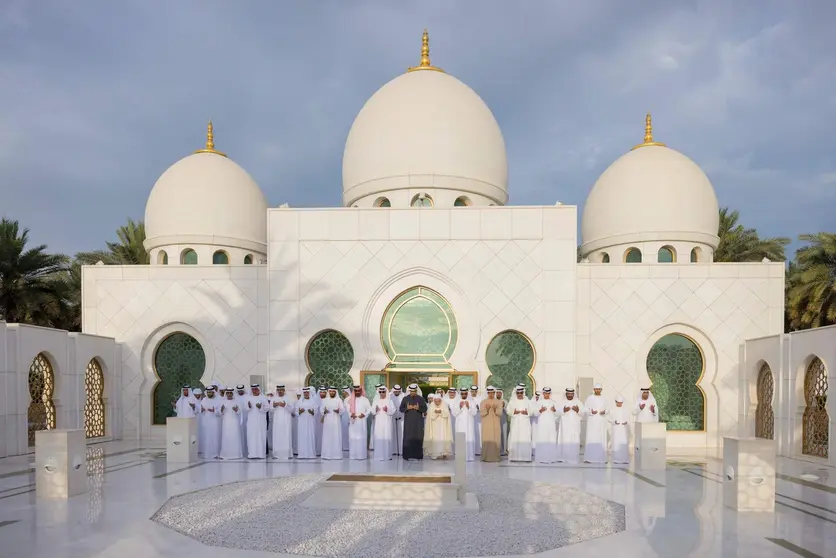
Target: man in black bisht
[(413, 408)]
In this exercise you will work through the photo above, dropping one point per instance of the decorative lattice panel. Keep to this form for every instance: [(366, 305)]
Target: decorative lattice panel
[(816, 422), (179, 360), (41, 412), (94, 409), (764, 416), (510, 359), (675, 366), (330, 358)]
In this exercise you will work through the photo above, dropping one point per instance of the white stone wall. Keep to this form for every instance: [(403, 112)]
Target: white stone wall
[(499, 267), (223, 307), (788, 357), (68, 354), (623, 309)]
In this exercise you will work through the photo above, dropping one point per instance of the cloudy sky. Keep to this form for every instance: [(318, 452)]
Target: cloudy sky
[(99, 97)]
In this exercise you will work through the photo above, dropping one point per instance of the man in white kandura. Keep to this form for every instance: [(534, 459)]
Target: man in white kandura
[(282, 408), (384, 425), (646, 409), (197, 393), (358, 413), (321, 396), (452, 401), (294, 420), (503, 423), (533, 405), (475, 399), (308, 415), (346, 393), (230, 427), (257, 409), (597, 427), (186, 405), (211, 423), (466, 413), (569, 433), (332, 429), (241, 397), (620, 418), (545, 430), (397, 397), (519, 441)]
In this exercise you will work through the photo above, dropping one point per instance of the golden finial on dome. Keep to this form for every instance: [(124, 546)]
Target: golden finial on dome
[(648, 134), (210, 141), (425, 55)]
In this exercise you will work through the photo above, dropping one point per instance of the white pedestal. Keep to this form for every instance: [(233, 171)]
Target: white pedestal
[(651, 446), (181, 440), (60, 463), (418, 492), (749, 474)]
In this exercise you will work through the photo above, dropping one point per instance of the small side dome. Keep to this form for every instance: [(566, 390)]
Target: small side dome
[(653, 195), (425, 131), (206, 198)]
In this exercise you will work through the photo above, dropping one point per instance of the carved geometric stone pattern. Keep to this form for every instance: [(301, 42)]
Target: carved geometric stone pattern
[(179, 360), (626, 304), (816, 422), (330, 358), (510, 360), (94, 409), (764, 415), (675, 365), (41, 412), (226, 312)]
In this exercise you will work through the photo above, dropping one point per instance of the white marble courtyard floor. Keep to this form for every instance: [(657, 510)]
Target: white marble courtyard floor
[(669, 514)]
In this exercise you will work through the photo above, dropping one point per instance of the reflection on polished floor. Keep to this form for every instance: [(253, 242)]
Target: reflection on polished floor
[(672, 513)]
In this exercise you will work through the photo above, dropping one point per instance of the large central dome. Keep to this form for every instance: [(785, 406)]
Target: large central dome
[(425, 130)]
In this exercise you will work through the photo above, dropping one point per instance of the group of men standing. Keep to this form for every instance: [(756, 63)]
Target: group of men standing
[(234, 424)]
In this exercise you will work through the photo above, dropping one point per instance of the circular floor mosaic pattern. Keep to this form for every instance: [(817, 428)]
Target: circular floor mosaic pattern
[(516, 517)]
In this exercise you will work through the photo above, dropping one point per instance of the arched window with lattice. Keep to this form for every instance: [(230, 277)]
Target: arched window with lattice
[(510, 359), (329, 357), (675, 366), (178, 360), (94, 409), (815, 435), (41, 412), (764, 416)]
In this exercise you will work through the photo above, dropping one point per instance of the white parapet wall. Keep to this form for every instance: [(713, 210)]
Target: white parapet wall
[(56, 363), (778, 379)]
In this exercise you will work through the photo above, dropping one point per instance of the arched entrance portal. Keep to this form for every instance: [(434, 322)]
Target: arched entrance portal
[(419, 333)]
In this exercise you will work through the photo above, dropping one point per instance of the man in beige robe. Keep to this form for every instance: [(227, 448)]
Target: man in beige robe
[(490, 411), (438, 430)]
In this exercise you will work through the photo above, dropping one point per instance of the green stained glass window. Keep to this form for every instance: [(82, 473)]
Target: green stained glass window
[(163, 257), (665, 255), (695, 256), (383, 202), (189, 257), (675, 365), (461, 202), (248, 260), (419, 331), (510, 360), (178, 361), (330, 358), (605, 258), (633, 255), (422, 200), (220, 258)]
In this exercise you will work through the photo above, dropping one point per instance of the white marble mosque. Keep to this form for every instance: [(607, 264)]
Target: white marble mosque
[(426, 273)]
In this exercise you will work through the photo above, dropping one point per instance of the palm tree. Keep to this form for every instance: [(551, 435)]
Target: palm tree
[(30, 287), (738, 244), (127, 251), (812, 282)]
